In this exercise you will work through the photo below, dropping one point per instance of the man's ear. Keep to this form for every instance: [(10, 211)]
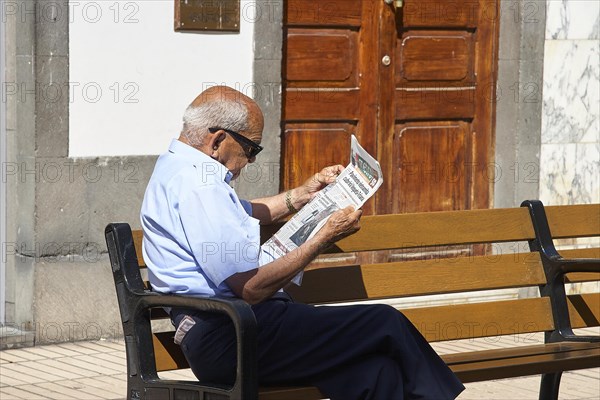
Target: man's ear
[(215, 139)]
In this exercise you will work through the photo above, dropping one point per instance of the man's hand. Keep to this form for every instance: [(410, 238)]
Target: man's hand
[(319, 180), (342, 223)]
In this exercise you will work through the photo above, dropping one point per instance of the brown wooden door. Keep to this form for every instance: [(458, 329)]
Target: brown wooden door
[(415, 84)]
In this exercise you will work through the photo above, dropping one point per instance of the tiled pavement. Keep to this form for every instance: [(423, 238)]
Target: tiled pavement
[(96, 370)]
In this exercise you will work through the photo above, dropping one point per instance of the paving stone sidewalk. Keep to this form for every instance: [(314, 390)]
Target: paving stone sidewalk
[(97, 369)]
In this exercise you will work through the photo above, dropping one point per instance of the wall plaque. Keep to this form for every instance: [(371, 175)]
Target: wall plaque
[(207, 15)]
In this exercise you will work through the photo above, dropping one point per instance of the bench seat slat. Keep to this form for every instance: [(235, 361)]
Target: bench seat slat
[(582, 277), (528, 365), (500, 318), (331, 284), (591, 252), (584, 310), (167, 354), (421, 277), (138, 236), (315, 290), (588, 252), (463, 274), (580, 220), (462, 321), (520, 351), (401, 278), (382, 232), (459, 275)]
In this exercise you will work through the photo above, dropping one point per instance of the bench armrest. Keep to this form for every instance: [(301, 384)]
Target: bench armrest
[(565, 266), (243, 320), (568, 265), (555, 268), (234, 307)]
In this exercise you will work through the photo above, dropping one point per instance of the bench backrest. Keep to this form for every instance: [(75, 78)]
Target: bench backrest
[(490, 266)]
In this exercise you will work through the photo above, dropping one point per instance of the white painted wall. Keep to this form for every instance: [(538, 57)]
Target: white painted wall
[(132, 75)]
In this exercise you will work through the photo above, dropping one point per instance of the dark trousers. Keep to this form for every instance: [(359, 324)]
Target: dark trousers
[(349, 352)]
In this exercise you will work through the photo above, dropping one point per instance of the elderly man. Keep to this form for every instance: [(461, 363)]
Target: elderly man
[(200, 239)]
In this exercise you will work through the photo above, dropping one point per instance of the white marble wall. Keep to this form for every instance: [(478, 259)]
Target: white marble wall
[(570, 150)]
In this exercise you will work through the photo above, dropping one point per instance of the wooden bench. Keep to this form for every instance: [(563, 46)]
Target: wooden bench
[(482, 262)]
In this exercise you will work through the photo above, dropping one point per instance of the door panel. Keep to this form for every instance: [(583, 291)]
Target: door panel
[(321, 104), (321, 58), (434, 56), (430, 174), (432, 103), (451, 14), (318, 12), (329, 141)]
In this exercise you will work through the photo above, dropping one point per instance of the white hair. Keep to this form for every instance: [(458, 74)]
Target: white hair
[(225, 114)]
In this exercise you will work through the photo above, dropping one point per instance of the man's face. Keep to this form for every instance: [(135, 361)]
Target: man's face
[(236, 154)]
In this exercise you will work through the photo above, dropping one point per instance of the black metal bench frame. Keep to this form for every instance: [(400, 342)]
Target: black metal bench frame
[(555, 268)]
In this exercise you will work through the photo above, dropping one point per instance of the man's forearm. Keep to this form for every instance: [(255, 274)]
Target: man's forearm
[(271, 209), (260, 284)]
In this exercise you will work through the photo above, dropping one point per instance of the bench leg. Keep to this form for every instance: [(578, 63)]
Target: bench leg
[(550, 385)]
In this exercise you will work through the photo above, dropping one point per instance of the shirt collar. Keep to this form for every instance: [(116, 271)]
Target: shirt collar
[(199, 159)]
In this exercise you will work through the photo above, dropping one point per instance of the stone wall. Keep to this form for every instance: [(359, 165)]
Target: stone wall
[(570, 140)]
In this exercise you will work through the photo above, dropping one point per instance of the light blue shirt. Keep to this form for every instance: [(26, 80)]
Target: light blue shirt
[(197, 232)]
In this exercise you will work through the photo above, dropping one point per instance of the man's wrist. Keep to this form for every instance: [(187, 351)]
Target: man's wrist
[(289, 203), (297, 197), (322, 240)]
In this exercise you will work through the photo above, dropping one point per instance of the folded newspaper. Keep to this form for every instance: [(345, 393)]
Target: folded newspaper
[(353, 187)]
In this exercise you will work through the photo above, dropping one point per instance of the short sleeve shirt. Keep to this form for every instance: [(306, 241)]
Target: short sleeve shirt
[(197, 232)]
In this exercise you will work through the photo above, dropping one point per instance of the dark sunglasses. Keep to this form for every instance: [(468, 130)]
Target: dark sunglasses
[(251, 148)]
